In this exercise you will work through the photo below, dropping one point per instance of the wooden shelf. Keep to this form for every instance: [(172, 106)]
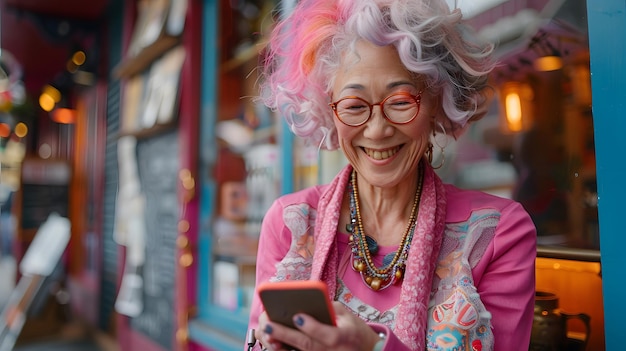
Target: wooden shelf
[(148, 132), (244, 56), (137, 64)]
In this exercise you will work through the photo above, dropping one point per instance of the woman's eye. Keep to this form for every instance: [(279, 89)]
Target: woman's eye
[(353, 105), (356, 106), (401, 102)]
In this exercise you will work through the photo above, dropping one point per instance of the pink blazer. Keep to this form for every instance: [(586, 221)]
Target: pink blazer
[(486, 266)]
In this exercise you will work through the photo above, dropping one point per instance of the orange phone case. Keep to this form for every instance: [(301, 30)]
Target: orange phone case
[(284, 299)]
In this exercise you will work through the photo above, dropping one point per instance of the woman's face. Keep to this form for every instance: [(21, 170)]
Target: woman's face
[(383, 153)]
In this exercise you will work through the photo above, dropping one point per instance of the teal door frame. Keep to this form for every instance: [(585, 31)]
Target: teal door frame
[(607, 47)]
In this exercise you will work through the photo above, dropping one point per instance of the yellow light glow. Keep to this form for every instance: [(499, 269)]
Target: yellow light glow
[(79, 58), (21, 130), (513, 106), (548, 63), (54, 93), (185, 260), (46, 102)]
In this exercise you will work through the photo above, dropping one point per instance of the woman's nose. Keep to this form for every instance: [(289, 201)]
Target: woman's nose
[(377, 126)]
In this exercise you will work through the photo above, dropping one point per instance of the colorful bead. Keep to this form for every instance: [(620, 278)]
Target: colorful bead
[(375, 284)]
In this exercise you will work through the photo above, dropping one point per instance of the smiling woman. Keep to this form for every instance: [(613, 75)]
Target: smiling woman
[(396, 246), (486, 157)]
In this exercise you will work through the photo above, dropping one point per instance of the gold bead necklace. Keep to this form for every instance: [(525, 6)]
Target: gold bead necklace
[(374, 277)]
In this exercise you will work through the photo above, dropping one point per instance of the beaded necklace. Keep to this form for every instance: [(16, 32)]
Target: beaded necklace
[(362, 245)]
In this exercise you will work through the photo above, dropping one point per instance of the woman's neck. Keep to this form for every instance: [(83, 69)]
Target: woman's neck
[(386, 211)]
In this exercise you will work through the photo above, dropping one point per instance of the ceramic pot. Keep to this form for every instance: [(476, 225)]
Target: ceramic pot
[(549, 331)]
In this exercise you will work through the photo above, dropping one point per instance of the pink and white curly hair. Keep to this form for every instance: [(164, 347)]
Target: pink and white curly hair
[(305, 50)]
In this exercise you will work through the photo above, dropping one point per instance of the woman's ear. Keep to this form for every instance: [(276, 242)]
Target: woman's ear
[(436, 103)]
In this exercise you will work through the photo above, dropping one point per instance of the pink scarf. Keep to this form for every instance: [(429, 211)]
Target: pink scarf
[(410, 326)]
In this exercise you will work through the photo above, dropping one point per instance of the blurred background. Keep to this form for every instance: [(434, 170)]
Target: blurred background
[(134, 120)]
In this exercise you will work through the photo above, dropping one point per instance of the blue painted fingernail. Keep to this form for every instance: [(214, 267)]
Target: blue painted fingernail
[(299, 321), (267, 329)]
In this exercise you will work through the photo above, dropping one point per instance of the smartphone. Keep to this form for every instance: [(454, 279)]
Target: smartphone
[(284, 299)]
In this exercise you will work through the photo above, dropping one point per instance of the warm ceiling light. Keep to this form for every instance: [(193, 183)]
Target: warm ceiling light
[(513, 106), (63, 115), (49, 97), (46, 102), (5, 130), (54, 93), (548, 63), (79, 58), (21, 129), (516, 100)]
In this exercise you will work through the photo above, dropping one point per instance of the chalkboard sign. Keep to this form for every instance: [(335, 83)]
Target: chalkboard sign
[(39, 201), (44, 190), (158, 165)]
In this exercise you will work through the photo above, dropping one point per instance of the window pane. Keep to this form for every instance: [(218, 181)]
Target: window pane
[(246, 173), (536, 144)]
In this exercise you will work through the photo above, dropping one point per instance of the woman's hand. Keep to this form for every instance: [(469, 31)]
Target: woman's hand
[(350, 334)]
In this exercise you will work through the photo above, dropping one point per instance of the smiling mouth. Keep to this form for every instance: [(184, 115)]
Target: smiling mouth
[(381, 154)]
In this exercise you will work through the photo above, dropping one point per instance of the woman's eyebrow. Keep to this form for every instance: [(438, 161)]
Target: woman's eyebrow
[(400, 83), (353, 86), (391, 85)]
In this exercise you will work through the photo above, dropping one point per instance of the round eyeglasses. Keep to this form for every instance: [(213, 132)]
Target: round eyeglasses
[(398, 108)]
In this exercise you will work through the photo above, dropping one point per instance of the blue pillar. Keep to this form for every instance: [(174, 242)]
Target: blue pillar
[(607, 45)]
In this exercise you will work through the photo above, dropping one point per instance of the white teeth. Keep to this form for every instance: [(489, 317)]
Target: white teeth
[(381, 155)]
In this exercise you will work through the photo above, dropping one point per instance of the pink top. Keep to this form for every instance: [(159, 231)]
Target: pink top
[(482, 293), (353, 279)]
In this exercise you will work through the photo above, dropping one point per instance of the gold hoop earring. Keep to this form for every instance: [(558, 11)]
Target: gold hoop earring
[(443, 159), (429, 153)]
